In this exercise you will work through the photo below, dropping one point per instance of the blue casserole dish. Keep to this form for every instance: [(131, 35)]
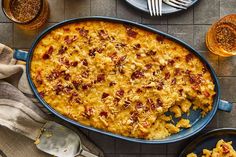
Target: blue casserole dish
[(198, 122)]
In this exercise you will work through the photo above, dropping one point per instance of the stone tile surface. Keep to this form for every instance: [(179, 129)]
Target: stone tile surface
[(199, 35), (146, 19), (153, 149), (227, 7), (125, 147), (228, 88), (185, 17), (206, 11), (227, 66), (6, 34), (184, 32), (212, 59), (103, 7), (77, 8), (228, 119), (57, 12), (162, 28)]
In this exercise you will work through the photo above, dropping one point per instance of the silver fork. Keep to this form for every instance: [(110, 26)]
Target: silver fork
[(155, 7), (180, 4)]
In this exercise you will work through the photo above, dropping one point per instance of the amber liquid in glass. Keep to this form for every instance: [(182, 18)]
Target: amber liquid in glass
[(29, 14)]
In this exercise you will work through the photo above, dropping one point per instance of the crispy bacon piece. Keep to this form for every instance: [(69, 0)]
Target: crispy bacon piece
[(74, 64), (162, 67), (134, 116), (103, 114), (167, 76), (121, 59), (131, 32), (86, 86), (69, 40), (126, 104), (112, 84), (100, 77), (139, 90), (85, 62), (159, 102), (137, 46), (54, 75), (206, 93), (47, 54), (42, 94), (189, 57), (148, 66), (59, 88), (120, 93), (195, 79), (67, 89), (160, 86), (151, 53), (92, 52), (177, 71), (103, 35), (138, 55), (137, 74), (83, 32), (139, 104), (116, 100), (89, 111), (76, 84), (104, 95), (160, 38), (173, 82), (67, 77), (171, 62), (85, 74), (62, 49), (78, 100), (225, 149)]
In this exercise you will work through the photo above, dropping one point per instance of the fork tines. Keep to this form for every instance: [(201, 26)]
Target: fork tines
[(180, 4), (155, 7)]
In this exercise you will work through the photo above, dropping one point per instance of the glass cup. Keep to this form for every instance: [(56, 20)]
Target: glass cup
[(28, 14)]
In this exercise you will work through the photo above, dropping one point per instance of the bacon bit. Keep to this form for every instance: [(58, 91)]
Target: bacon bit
[(167, 76), (173, 82), (204, 70), (103, 114), (137, 46), (131, 32), (85, 62), (177, 71), (151, 103), (54, 75), (46, 56), (139, 90), (116, 100), (86, 86), (171, 62), (189, 57), (78, 100), (160, 86), (92, 52), (85, 74), (39, 79), (120, 93), (67, 77), (134, 116), (42, 94), (100, 77), (112, 84), (181, 91), (120, 45), (50, 50), (225, 149), (76, 84), (121, 70), (69, 41), (66, 29), (195, 79), (74, 64), (64, 61), (151, 53), (126, 104), (207, 94), (188, 72), (148, 66), (104, 95), (83, 32), (62, 49), (103, 35), (162, 67), (88, 112), (99, 50), (139, 104), (160, 38), (159, 102), (137, 74), (138, 55), (121, 59), (58, 89), (67, 89)]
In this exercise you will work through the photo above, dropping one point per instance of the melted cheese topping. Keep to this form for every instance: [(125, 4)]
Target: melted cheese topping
[(120, 78), (222, 149)]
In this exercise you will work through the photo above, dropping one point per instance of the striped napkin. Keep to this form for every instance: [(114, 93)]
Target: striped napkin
[(17, 98)]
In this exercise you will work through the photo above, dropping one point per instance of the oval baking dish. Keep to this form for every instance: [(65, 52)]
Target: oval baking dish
[(197, 121)]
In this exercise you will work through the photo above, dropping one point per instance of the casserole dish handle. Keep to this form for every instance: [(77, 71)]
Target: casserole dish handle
[(225, 106), (20, 55)]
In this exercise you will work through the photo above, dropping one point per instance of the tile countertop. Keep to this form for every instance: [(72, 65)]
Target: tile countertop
[(192, 23)]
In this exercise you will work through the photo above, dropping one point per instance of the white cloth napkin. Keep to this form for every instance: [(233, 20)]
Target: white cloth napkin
[(16, 98)]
